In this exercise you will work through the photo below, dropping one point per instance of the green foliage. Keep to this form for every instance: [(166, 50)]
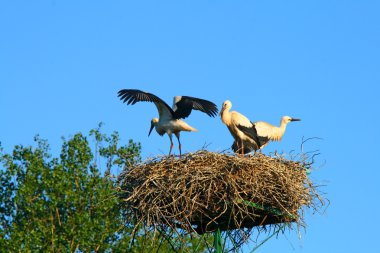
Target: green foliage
[(66, 204)]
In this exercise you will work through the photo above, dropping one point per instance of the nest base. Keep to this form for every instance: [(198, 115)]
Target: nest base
[(204, 191)]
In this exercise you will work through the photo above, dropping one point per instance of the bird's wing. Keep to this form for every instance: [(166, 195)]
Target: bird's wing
[(131, 96), (267, 132), (183, 105), (252, 133), (245, 125)]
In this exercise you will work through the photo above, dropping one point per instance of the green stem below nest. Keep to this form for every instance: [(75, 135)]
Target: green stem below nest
[(268, 209), (218, 241)]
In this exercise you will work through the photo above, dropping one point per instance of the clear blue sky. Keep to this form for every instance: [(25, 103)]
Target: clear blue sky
[(62, 63)]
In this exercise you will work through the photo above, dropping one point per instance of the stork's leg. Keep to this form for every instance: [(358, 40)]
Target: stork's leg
[(242, 148), (179, 144), (171, 143)]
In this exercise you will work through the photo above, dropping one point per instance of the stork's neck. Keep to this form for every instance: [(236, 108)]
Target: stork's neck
[(226, 116), (282, 127), (159, 129)]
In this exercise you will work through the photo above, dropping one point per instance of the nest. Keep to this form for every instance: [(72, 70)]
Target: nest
[(205, 191)]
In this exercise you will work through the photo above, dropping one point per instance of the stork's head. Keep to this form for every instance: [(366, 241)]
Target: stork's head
[(153, 123), (287, 119), (226, 106)]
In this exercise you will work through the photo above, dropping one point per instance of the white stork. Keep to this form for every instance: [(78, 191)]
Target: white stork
[(240, 128), (266, 132), (169, 118)]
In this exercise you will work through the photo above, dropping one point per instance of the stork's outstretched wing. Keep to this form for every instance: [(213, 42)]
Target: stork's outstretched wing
[(183, 105), (132, 96)]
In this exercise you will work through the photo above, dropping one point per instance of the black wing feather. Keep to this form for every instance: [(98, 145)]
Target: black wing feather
[(132, 96), (251, 132), (186, 104)]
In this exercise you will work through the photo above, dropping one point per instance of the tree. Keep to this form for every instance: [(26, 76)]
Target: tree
[(66, 204)]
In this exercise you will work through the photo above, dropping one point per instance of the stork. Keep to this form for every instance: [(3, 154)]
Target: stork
[(241, 128), (267, 132), (169, 120)]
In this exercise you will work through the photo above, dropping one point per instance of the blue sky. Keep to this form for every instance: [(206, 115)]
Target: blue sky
[(62, 63)]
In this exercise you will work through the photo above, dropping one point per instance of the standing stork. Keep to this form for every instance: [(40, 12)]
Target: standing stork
[(241, 128), (169, 118), (267, 132)]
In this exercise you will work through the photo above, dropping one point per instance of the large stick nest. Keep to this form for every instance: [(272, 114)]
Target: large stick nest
[(204, 191)]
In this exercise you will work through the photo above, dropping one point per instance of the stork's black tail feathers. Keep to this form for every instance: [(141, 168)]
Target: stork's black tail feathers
[(248, 148)]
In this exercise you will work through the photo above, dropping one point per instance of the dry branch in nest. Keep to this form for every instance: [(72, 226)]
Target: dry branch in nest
[(203, 191)]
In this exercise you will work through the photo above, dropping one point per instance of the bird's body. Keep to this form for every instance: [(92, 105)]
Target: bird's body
[(172, 126), (233, 120), (169, 120), (267, 132), (240, 127)]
